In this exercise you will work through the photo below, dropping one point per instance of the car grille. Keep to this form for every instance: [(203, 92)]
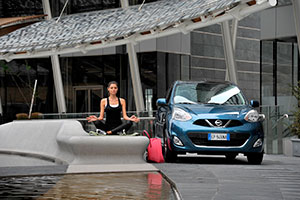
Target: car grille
[(212, 123), (236, 139)]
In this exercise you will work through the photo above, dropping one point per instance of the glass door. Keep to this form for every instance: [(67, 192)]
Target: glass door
[(87, 98), (279, 73), (285, 75)]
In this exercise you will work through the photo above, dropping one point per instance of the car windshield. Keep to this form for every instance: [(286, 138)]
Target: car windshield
[(208, 93)]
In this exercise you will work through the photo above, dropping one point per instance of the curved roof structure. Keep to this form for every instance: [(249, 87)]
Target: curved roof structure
[(11, 24), (4, 22), (99, 29)]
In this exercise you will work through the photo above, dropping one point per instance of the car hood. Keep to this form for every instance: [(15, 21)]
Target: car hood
[(212, 111)]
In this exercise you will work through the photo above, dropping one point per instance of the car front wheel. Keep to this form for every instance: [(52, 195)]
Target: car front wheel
[(169, 155), (255, 158)]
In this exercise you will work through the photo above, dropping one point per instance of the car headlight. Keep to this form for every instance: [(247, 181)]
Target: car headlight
[(252, 116), (180, 115)]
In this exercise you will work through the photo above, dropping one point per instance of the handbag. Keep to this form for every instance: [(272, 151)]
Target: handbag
[(154, 149)]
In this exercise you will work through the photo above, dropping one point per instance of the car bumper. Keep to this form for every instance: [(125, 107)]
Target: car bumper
[(195, 138)]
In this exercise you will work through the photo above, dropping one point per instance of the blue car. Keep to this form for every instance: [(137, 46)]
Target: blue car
[(209, 118)]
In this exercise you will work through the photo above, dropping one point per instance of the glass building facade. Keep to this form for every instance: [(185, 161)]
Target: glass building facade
[(199, 55), (279, 73), (279, 55), (207, 54)]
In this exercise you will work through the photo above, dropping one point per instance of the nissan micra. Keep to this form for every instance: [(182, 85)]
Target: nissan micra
[(209, 118)]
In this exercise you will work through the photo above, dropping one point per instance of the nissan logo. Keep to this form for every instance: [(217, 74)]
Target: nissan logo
[(218, 122)]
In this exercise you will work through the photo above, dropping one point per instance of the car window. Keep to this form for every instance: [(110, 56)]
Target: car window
[(185, 93), (209, 93), (169, 94)]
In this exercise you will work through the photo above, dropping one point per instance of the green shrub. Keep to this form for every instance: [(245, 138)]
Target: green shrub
[(21, 116), (295, 127), (36, 115)]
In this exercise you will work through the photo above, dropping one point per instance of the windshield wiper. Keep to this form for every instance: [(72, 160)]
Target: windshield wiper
[(214, 103), (185, 103)]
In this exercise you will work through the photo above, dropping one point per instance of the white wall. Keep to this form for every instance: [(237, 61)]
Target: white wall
[(277, 22)]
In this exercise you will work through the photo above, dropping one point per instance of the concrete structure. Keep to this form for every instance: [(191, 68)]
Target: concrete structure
[(65, 142), (278, 22)]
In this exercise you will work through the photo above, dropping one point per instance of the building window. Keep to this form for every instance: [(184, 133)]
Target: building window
[(16, 8), (16, 85), (78, 6)]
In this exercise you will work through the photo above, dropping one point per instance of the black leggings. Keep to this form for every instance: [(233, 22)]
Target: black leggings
[(100, 125)]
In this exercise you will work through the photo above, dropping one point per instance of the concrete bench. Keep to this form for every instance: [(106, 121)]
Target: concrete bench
[(65, 141)]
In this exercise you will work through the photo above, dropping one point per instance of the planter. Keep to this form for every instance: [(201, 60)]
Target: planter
[(21, 116), (296, 146)]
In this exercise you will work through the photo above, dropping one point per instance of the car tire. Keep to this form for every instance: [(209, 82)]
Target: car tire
[(255, 158), (169, 155), (230, 156)]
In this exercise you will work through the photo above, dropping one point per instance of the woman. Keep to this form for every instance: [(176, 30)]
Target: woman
[(113, 106)]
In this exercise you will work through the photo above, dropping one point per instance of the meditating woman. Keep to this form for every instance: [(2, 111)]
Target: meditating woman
[(112, 106)]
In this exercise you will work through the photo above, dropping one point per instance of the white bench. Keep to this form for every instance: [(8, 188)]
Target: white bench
[(65, 141)]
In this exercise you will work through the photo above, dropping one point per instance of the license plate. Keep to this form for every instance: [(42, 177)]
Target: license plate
[(219, 136)]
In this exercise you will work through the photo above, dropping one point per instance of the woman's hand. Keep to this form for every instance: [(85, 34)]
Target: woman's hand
[(134, 119), (92, 118)]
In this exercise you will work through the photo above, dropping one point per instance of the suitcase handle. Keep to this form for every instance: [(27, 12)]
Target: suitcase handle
[(145, 133)]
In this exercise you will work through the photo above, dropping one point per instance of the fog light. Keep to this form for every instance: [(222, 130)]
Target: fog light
[(258, 143), (177, 141)]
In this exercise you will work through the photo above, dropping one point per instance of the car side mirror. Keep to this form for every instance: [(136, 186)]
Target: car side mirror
[(254, 103), (161, 102)]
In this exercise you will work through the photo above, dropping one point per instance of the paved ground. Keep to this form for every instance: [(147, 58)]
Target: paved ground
[(215, 178), (207, 177)]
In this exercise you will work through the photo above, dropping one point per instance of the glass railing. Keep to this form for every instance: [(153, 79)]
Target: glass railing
[(276, 128), (146, 120)]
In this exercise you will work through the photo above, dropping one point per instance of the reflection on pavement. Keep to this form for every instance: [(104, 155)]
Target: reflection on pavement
[(88, 186)]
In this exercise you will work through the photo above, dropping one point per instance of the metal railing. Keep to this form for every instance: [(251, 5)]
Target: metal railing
[(276, 128), (146, 120)]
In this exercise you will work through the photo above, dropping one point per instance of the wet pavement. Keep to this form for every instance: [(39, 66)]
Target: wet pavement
[(150, 185), (26, 187), (207, 177)]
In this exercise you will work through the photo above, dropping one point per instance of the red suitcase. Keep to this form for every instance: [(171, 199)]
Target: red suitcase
[(154, 149)]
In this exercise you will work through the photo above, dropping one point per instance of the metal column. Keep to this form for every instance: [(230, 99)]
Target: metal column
[(234, 26), (229, 52), (135, 72), (59, 89), (296, 7)]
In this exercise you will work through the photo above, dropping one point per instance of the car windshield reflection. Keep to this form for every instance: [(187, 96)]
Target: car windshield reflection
[(208, 93)]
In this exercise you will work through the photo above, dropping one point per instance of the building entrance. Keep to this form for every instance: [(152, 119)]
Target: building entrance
[(87, 98)]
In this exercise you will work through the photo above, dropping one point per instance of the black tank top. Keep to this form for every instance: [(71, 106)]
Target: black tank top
[(113, 115)]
